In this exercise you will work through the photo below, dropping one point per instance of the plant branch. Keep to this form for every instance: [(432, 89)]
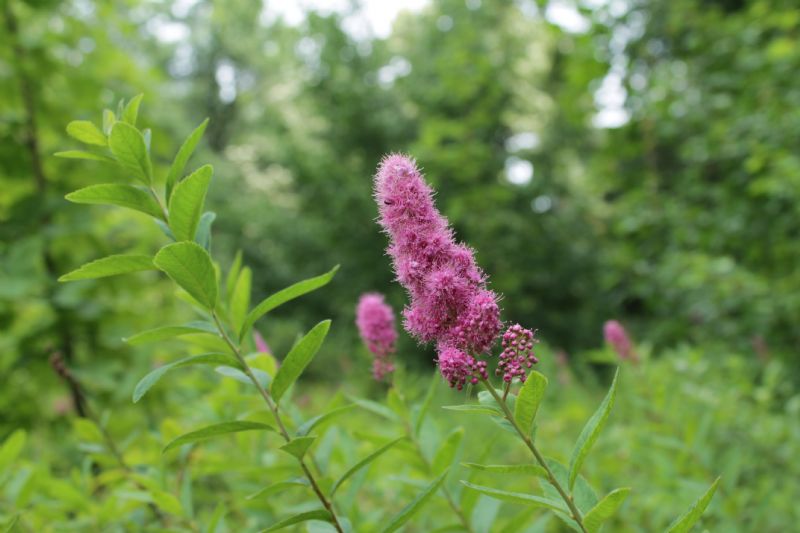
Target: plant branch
[(576, 514), (281, 427)]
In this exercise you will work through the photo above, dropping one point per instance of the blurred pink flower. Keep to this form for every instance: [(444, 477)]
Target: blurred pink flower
[(261, 344), (375, 322), (450, 303), (617, 337)]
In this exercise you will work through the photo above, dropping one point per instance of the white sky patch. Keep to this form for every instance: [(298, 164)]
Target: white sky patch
[(527, 140), (566, 16), (519, 171)]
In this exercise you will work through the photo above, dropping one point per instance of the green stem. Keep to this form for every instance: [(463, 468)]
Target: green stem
[(281, 427), (576, 514)]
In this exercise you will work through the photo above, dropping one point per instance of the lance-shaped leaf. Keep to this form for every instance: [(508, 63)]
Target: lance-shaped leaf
[(397, 521), (129, 147), (319, 514), (604, 509), (298, 446), (203, 235), (309, 425), (168, 332), (240, 298), (362, 463), (152, 378), (474, 409), (528, 400), (120, 195), (112, 265), (591, 432), (281, 297), (215, 430), (446, 454), (131, 111), (298, 358), (80, 154), (518, 497), (108, 121), (525, 469), (86, 132), (263, 377), (182, 157), (11, 449), (186, 203), (684, 523), (189, 265), (277, 488)]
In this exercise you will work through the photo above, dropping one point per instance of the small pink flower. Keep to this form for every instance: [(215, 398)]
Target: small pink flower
[(261, 344), (617, 337), (375, 322), (458, 368), (517, 355)]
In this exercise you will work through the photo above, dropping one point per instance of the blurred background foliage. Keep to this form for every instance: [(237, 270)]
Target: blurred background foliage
[(630, 159)]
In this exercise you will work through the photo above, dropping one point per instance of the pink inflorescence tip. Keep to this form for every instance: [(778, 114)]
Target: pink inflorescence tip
[(617, 337), (458, 368), (450, 304), (517, 355), (375, 322)]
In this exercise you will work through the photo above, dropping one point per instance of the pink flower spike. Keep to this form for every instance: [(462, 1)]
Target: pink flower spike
[(375, 322), (517, 355), (459, 368), (261, 344), (617, 337), (450, 303)]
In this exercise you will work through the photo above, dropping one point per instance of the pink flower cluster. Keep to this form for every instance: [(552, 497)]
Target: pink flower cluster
[(375, 322), (617, 337), (517, 353), (450, 303)]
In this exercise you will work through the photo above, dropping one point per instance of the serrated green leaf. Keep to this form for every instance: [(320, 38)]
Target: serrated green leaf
[(298, 358), (182, 157), (215, 430), (131, 111), (309, 425), (528, 400), (687, 520), (277, 488), (154, 376), (129, 147), (86, 132), (190, 266), (80, 154), (319, 514), (240, 299), (526, 469), (518, 497), (112, 265), (203, 235), (446, 454), (397, 521), (605, 509), (168, 332), (591, 432), (362, 463), (298, 446), (474, 409), (281, 297), (187, 201), (11, 448), (120, 195)]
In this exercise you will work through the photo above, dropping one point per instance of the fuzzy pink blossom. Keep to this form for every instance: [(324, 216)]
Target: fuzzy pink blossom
[(517, 354), (617, 337), (375, 322), (458, 368), (450, 303), (261, 344)]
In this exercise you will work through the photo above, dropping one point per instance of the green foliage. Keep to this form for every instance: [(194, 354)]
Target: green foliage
[(298, 358), (129, 148), (186, 203), (528, 400), (591, 432), (112, 265), (190, 266), (222, 428), (686, 521), (119, 195)]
